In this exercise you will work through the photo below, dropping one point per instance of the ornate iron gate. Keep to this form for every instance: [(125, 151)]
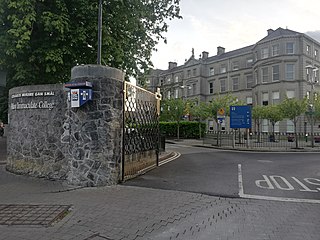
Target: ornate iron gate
[(141, 130)]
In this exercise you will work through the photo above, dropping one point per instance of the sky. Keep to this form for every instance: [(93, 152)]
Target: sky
[(232, 24)]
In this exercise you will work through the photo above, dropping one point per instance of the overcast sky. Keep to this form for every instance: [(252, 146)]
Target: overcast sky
[(232, 24)]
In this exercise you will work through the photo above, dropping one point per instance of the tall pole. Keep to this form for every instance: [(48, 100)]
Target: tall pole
[(99, 33)]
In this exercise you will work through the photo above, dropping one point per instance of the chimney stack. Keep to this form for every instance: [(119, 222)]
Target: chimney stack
[(172, 65), (205, 55), (220, 50), (270, 31)]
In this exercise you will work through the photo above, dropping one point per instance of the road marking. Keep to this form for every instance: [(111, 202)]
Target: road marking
[(259, 197), (264, 161), (175, 156)]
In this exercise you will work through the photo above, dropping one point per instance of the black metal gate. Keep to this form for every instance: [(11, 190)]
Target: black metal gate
[(141, 130)]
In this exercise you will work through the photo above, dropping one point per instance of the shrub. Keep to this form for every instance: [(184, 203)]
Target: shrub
[(187, 129)]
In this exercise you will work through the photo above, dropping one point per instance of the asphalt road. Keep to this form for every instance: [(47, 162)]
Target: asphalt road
[(269, 176)]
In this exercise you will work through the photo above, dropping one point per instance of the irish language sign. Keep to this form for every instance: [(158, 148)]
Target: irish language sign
[(32, 100)]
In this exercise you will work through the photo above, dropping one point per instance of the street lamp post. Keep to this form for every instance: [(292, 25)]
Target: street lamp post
[(99, 33), (311, 105)]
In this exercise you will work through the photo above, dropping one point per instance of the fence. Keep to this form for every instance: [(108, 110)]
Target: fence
[(238, 139)]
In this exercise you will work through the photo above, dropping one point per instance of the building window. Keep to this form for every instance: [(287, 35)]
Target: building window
[(235, 65), (223, 85), (290, 48), (265, 125), (249, 81), (275, 97), (308, 49), (264, 74), (235, 84), (168, 80), (275, 50), (265, 99), (188, 90), (161, 81), (211, 71), (168, 94), (290, 93), (176, 93), (275, 73), (210, 87), (277, 127), (249, 100), (290, 126), (316, 54), (290, 71), (176, 79), (249, 62), (189, 73), (194, 72), (223, 69), (194, 89), (264, 53)]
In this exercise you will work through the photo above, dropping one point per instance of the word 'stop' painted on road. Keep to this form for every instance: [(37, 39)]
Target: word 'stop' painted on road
[(278, 182)]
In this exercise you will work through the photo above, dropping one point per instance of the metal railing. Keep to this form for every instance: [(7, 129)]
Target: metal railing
[(262, 140), (141, 130)]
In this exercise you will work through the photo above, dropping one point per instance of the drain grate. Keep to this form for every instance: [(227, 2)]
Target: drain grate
[(26, 214)]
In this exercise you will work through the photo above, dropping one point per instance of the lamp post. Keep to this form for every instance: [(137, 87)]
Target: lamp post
[(312, 81), (99, 33), (185, 93)]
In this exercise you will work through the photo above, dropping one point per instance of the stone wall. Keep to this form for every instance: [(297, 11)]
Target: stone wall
[(47, 138), (96, 129), (36, 120)]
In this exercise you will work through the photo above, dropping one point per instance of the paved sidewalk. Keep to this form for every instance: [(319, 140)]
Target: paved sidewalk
[(125, 212), (199, 143)]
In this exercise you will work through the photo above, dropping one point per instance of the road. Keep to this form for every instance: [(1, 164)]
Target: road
[(270, 176)]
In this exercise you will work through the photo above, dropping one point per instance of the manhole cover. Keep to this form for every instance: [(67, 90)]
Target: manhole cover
[(25, 214)]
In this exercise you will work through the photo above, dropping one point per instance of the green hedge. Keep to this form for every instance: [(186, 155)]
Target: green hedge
[(187, 129)]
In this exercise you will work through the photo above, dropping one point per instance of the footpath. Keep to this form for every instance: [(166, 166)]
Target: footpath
[(38, 209)]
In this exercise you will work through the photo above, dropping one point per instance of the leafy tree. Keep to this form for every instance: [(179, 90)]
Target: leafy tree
[(41, 40), (258, 114), (317, 107), (222, 101), (200, 112), (274, 114), (173, 110), (292, 108)]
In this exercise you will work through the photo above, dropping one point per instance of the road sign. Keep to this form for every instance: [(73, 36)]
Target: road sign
[(221, 112), (240, 117)]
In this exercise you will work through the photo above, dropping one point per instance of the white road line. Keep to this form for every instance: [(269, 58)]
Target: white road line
[(175, 156), (269, 198), (241, 193)]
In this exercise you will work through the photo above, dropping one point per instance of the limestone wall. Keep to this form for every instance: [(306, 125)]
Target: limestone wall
[(36, 120), (47, 138)]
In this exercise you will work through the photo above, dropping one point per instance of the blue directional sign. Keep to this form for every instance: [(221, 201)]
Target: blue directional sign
[(240, 117)]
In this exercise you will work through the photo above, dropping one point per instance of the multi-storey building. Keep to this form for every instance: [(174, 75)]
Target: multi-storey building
[(276, 67)]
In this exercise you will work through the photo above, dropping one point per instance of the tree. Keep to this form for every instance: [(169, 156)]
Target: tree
[(224, 101), (41, 40), (292, 109), (274, 114), (173, 110), (258, 114), (200, 112)]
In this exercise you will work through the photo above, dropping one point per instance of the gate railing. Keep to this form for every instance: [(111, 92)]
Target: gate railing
[(141, 130), (262, 140)]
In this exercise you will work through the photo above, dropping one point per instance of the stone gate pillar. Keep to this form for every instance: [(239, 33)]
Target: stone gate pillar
[(94, 131)]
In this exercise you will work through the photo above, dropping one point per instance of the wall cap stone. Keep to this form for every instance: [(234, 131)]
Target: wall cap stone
[(93, 70)]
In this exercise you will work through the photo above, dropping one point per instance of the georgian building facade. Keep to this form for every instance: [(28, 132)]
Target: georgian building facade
[(260, 74)]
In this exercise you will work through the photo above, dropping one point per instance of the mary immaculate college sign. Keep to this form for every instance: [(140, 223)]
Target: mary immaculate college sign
[(32, 100)]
